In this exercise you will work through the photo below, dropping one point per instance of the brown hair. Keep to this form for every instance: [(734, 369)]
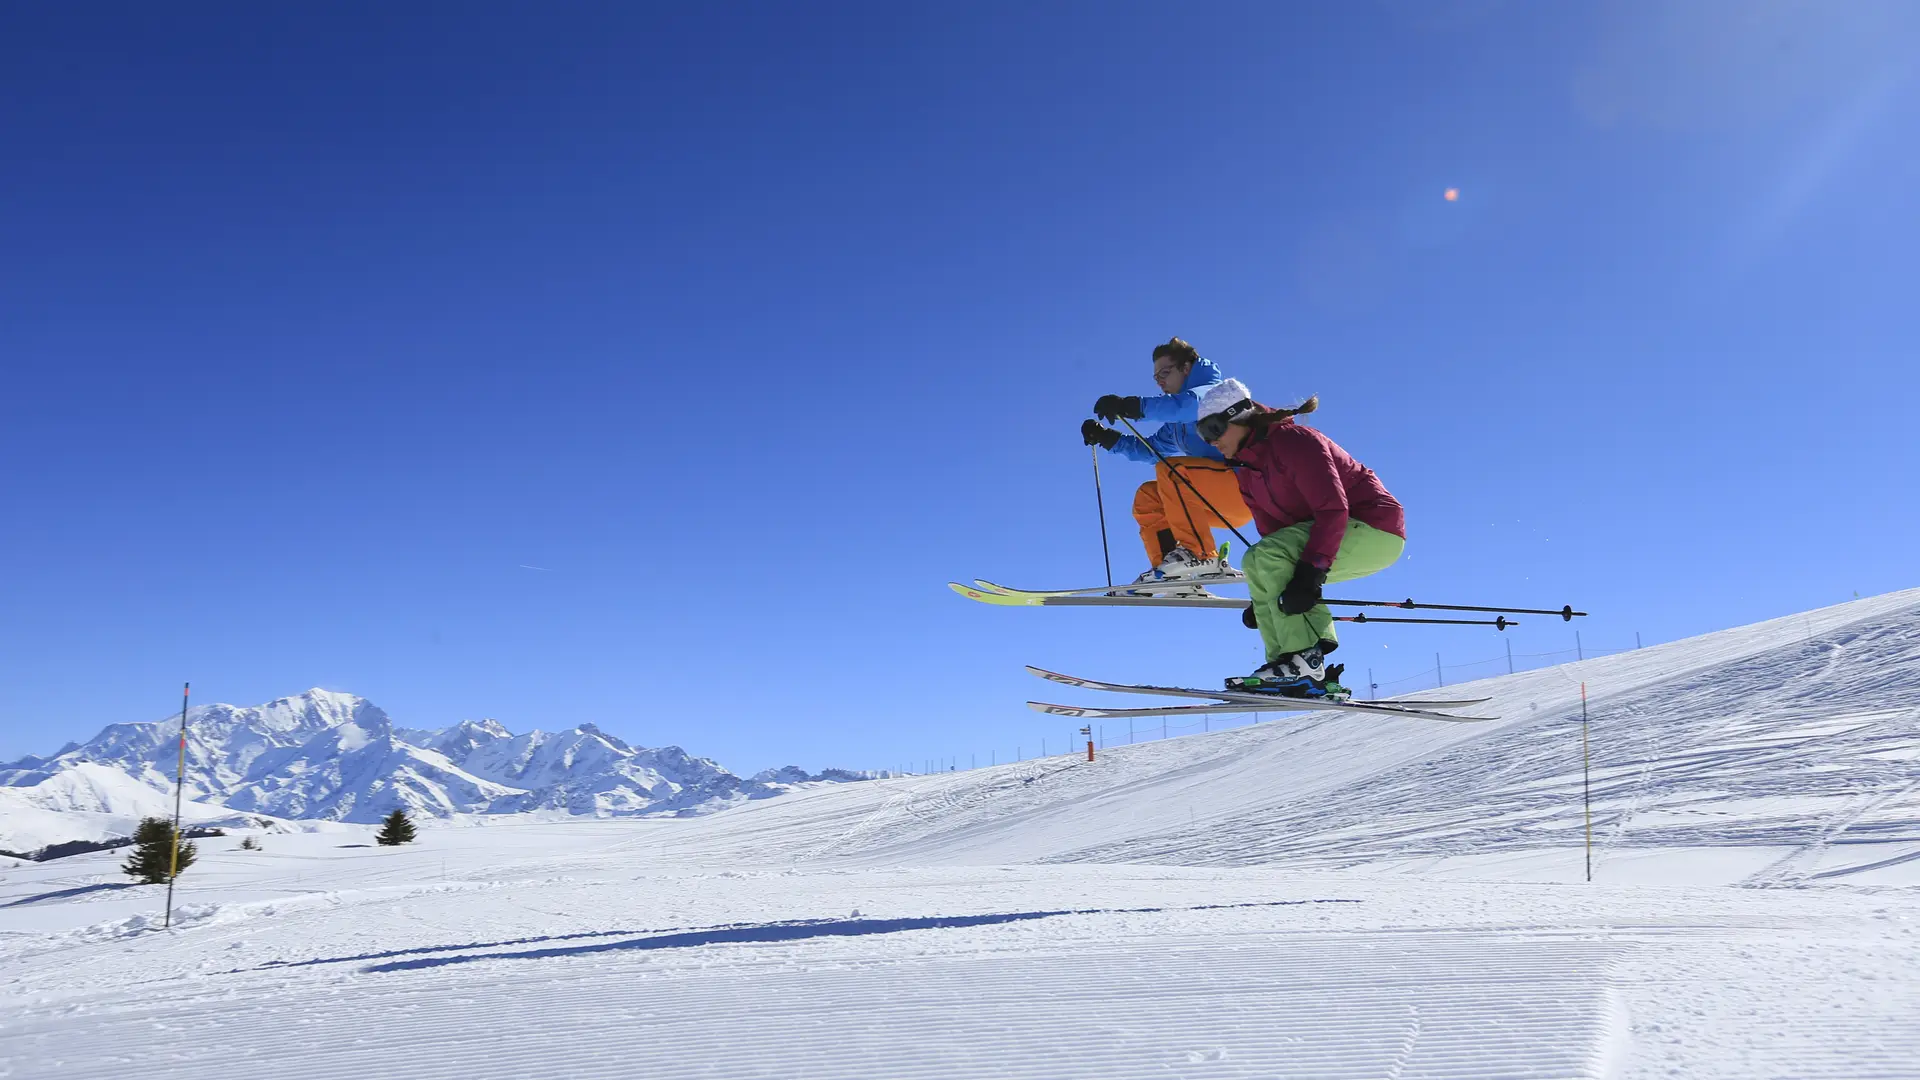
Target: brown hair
[(1259, 422), (1181, 352)]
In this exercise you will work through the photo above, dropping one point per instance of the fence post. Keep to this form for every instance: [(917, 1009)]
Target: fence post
[(1636, 639), (1373, 688), (1586, 778), (1579, 650), (1438, 675), (1509, 656)]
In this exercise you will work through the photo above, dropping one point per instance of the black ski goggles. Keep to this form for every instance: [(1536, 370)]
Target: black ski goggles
[(1214, 425)]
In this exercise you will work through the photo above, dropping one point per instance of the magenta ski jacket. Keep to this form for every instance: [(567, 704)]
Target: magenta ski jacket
[(1296, 474)]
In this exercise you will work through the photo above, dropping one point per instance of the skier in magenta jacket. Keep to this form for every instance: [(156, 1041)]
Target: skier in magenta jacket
[(1323, 517)]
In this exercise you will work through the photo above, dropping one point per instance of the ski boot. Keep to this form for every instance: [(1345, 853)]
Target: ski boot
[(1214, 571), (1184, 574), (1302, 674), (1164, 580)]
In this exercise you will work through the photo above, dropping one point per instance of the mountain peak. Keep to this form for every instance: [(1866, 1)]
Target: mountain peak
[(329, 754)]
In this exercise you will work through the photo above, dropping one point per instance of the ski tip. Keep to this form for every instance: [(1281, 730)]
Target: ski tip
[(987, 586), (985, 597), (1056, 710)]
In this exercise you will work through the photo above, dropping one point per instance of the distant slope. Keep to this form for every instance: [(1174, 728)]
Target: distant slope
[(91, 802), (1780, 751)]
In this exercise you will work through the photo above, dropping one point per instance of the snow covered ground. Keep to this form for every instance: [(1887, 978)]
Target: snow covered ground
[(1308, 897)]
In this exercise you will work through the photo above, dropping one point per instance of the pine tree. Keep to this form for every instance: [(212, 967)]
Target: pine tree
[(153, 859), (398, 829)]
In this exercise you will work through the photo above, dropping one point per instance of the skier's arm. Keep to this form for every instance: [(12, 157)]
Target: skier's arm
[(1180, 408), (1166, 439), (1310, 463), (1183, 407), (1133, 449)]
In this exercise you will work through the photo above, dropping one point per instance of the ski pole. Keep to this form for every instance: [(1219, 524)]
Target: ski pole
[(1566, 613), (1498, 623), (1100, 501), (1182, 477)]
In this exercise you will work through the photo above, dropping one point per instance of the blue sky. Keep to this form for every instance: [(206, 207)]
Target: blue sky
[(754, 325)]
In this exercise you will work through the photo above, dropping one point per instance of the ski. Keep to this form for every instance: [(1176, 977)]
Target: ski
[(1225, 699), (1251, 696), (1036, 599), (1498, 622), (1292, 705), (982, 588), (1013, 599), (1101, 713), (1151, 586)]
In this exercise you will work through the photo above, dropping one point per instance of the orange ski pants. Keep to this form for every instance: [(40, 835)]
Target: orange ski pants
[(1169, 514)]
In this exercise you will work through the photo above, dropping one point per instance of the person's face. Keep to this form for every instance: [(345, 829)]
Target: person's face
[(1170, 374), (1231, 440)]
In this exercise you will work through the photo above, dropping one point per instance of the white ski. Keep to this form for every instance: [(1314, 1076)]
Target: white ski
[(1229, 701)]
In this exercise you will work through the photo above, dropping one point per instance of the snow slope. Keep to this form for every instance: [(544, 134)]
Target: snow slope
[(1773, 752), (1305, 897), (91, 802)]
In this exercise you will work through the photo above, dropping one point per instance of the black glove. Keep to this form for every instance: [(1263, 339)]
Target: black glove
[(1113, 407), (1303, 591), (1247, 620), (1095, 435)]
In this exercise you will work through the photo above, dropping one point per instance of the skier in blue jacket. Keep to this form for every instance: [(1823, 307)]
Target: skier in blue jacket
[(1175, 527)]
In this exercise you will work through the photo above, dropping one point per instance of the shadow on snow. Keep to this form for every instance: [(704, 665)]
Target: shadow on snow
[(736, 933), (78, 890)]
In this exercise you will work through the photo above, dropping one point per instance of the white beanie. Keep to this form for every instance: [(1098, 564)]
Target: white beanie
[(1223, 395)]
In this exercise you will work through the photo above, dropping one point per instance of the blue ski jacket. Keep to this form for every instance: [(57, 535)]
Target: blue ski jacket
[(1176, 414)]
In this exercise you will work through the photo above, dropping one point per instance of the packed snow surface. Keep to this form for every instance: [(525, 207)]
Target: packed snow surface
[(1313, 896)]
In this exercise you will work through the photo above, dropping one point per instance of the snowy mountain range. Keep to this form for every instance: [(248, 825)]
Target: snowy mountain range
[(332, 756)]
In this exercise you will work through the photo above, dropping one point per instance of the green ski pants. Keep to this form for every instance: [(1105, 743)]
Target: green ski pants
[(1269, 566)]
